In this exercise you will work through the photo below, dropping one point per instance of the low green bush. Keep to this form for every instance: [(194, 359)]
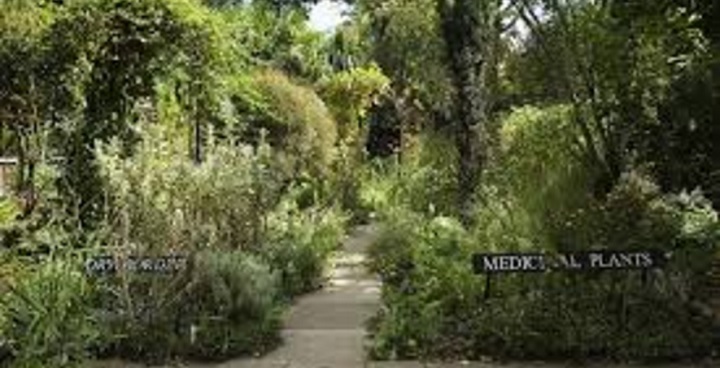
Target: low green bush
[(48, 316), (226, 304), (7, 274), (4, 348), (8, 212), (391, 253), (145, 315), (427, 179), (424, 181), (300, 242), (235, 302), (425, 268)]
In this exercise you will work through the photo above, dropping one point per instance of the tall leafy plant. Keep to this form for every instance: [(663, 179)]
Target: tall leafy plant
[(49, 318), (106, 57)]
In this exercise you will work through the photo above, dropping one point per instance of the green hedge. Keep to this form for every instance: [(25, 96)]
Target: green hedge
[(434, 306)]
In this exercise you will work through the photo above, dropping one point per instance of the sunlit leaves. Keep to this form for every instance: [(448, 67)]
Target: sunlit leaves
[(297, 120), (281, 40), (22, 24), (352, 92), (406, 44)]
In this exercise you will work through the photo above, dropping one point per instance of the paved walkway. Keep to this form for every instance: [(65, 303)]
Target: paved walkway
[(326, 329)]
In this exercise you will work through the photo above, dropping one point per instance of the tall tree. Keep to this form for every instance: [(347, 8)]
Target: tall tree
[(469, 29), (23, 113), (615, 63), (106, 58), (402, 37)]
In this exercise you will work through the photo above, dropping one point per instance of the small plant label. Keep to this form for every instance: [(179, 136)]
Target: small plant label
[(104, 265), (574, 261)]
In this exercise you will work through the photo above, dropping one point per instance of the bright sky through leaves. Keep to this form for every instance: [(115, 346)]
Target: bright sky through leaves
[(326, 15)]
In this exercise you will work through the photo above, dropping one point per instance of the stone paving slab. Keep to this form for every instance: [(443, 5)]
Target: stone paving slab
[(339, 316), (321, 347), (359, 238), (349, 272), (339, 293)]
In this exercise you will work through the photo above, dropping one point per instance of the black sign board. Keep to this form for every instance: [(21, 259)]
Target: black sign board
[(105, 265), (573, 261)]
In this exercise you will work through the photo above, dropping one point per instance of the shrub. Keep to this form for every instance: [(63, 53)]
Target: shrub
[(49, 316), (537, 196), (226, 304), (163, 203), (161, 200), (146, 315), (4, 348), (375, 186), (434, 305), (298, 123), (299, 243), (235, 304), (351, 93), (391, 256), (424, 263), (8, 212), (539, 175), (425, 181), (8, 273)]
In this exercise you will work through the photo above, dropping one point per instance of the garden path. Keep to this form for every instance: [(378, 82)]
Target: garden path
[(326, 329)]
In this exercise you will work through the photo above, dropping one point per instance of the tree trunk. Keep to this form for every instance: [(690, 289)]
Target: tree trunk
[(468, 28), (197, 142)]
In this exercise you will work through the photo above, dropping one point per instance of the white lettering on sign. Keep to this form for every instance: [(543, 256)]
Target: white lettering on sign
[(490, 263), (598, 260), (621, 260), (513, 263), (568, 261), (110, 265)]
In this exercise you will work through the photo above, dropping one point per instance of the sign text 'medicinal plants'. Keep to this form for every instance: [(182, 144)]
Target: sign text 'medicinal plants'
[(572, 261)]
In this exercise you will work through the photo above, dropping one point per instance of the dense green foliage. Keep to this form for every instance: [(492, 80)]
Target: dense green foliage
[(595, 131), (155, 128), (49, 316), (227, 304), (232, 133), (425, 263)]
